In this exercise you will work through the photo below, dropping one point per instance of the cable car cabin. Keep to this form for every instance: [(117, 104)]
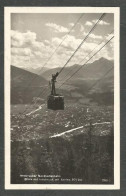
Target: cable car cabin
[(55, 102)]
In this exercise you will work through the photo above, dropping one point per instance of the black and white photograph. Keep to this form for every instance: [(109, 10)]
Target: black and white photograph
[(62, 98)]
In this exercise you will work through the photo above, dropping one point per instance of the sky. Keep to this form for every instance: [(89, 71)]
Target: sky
[(35, 37)]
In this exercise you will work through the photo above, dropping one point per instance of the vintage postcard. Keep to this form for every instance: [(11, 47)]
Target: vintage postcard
[(62, 120)]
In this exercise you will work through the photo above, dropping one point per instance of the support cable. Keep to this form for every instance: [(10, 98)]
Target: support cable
[(101, 17), (86, 61)]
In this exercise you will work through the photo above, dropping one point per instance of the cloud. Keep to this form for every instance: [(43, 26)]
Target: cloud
[(109, 36), (95, 36), (70, 43), (38, 53), (24, 47), (19, 39), (71, 24), (56, 40), (46, 42), (81, 28), (57, 28), (69, 46), (102, 22), (21, 51), (89, 23), (20, 61), (25, 40), (106, 52), (27, 51)]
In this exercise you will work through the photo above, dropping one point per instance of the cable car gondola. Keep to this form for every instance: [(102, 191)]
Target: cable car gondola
[(55, 101)]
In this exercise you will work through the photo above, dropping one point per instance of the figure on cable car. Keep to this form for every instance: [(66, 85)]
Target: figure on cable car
[(55, 101)]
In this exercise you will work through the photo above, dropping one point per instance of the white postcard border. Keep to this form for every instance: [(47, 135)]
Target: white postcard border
[(7, 57)]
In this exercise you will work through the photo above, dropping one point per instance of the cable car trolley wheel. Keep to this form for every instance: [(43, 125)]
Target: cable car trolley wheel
[(55, 102)]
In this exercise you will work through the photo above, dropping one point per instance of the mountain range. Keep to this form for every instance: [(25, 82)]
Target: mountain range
[(38, 70), (93, 70), (89, 85)]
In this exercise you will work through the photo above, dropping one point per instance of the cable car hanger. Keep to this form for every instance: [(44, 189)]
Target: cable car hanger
[(55, 101)]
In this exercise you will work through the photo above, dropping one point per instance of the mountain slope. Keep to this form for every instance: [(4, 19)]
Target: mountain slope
[(23, 78), (25, 85)]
